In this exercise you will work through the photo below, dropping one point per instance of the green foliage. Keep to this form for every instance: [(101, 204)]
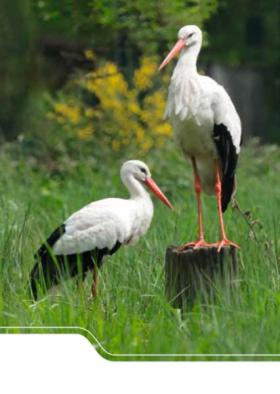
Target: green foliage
[(117, 30), (141, 24)]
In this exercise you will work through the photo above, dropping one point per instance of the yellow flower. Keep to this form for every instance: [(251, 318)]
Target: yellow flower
[(166, 78), (147, 144), (116, 145), (85, 133), (89, 113), (71, 113), (133, 107), (140, 134), (164, 129), (125, 116), (143, 77), (89, 54), (60, 107)]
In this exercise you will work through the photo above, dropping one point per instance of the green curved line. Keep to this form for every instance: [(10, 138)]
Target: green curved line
[(102, 351)]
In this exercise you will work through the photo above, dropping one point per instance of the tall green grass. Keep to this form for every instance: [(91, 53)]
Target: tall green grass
[(131, 315)]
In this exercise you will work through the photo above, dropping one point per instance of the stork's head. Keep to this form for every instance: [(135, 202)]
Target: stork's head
[(190, 38), (139, 171)]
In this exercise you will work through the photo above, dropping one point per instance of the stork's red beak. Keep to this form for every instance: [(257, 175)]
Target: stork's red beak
[(156, 190), (176, 49)]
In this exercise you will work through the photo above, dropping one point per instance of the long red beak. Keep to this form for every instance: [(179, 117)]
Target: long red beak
[(176, 49), (156, 190)]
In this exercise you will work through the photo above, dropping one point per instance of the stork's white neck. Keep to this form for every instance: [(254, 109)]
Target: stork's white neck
[(187, 61), (135, 188)]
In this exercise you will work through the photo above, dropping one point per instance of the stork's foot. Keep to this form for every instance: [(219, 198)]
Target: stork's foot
[(200, 243), (225, 242)]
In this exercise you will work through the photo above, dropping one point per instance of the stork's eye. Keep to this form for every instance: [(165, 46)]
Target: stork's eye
[(142, 169), (190, 35)]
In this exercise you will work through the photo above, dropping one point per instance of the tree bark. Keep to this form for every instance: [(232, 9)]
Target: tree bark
[(198, 273)]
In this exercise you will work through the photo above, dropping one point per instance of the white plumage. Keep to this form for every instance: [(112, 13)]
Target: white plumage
[(201, 101), (205, 122), (103, 223), (98, 229)]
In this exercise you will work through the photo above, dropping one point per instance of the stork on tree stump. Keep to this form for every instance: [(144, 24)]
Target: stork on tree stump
[(207, 128), (197, 272)]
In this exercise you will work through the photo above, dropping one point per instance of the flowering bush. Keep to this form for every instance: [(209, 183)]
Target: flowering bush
[(102, 107)]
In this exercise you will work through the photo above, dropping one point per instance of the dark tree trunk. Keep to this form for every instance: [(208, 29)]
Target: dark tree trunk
[(15, 64)]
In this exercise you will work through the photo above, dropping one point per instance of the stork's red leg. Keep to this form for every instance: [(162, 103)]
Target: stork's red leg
[(94, 283), (197, 186), (218, 190)]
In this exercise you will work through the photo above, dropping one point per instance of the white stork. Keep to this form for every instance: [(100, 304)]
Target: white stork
[(97, 230), (206, 127)]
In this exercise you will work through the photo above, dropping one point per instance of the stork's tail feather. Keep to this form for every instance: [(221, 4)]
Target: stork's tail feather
[(46, 273), (228, 159), (228, 188), (50, 270)]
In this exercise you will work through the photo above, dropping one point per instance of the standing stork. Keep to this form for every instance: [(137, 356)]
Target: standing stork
[(206, 127), (97, 230)]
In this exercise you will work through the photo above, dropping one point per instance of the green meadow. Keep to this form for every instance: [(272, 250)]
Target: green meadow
[(131, 314)]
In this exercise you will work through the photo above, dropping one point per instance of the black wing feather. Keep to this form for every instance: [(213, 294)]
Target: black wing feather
[(49, 269), (228, 157), (49, 243)]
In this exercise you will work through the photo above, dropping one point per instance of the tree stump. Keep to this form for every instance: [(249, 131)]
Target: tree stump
[(198, 272)]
